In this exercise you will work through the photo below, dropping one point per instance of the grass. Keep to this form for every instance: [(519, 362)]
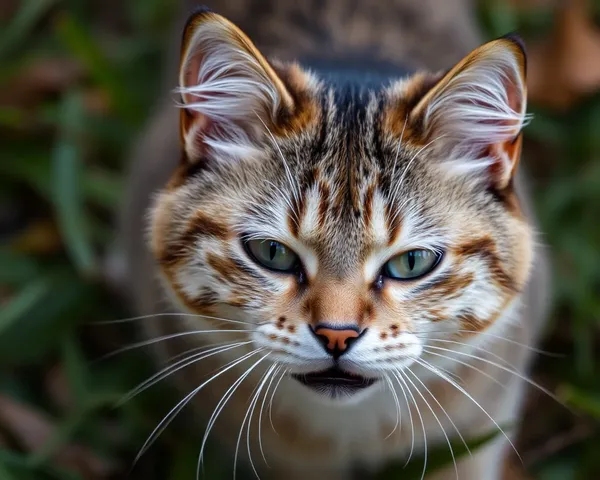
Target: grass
[(78, 80)]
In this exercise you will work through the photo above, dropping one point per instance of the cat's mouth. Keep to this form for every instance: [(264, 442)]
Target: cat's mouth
[(335, 381)]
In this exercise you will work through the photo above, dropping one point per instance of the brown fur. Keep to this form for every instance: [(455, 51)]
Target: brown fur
[(345, 163)]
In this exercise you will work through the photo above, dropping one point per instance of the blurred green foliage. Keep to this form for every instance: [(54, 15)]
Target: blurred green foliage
[(62, 156)]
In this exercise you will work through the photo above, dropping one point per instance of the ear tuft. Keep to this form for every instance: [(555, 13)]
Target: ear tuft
[(229, 92), (479, 108)]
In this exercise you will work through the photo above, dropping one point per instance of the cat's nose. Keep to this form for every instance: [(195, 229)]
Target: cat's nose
[(337, 338)]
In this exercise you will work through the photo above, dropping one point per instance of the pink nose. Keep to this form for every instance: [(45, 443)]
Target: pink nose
[(336, 340)]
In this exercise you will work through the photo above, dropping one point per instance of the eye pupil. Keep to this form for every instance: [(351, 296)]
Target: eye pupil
[(272, 250), (411, 260)]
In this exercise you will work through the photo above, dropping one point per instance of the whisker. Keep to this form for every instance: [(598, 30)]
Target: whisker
[(398, 146), (272, 397), (412, 425), (470, 397), (162, 314), (237, 446), (152, 341), (442, 408), (482, 372), (396, 401), (506, 369), (253, 403), (166, 421), (400, 378), (202, 348), (405, 171), (480, 349), (260, 414), (514, 342), (217, 411), (173, 368), (434, 416), (425, 334), (288, 173)]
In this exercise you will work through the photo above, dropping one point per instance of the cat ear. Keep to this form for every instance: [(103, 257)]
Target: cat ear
[(477, 110), (230, 93)]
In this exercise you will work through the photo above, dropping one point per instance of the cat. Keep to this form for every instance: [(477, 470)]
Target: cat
[(341, 254)]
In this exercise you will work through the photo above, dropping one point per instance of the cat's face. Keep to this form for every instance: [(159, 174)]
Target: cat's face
[(350, 227)]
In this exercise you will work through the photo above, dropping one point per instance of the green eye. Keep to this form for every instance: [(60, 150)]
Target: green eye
[(272, 254), (411, 264)]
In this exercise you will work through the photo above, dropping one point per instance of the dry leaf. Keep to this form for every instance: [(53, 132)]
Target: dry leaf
[(97, 101), (513, 470), (532, 4), (43, 76), (566, 66), (32, 429), (58, 388), (41, 237), (7, 9)]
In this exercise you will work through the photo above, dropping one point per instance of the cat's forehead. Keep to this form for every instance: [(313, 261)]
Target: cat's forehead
[(343, 197)]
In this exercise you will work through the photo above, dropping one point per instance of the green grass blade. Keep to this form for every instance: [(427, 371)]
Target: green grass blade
[(82, 45), (17, 268), (74, 364), (5, 474), (585, 401), (27, 299), (22, 24), (68, 201)]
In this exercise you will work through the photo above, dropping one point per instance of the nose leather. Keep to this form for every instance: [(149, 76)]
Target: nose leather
[(336, 339)]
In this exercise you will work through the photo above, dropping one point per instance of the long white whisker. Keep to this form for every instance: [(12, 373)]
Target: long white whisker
[(399, 146), (502, 367), (286, 200), (405, 171), (482, 372), (412, 425), (152, 341), (288, 173), (271, 400), (514, 342), (171, 369), (425, 335), (260, 414), (397, 402), (253, 403), (480, 349), (470, 397), (441, 407), (217, 411), (203, 348), (434, 416), (237, 445), (166, 421), (182, 314), (400, 378)]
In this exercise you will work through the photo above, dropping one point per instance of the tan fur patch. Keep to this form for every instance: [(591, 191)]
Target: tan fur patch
[(486, 248)]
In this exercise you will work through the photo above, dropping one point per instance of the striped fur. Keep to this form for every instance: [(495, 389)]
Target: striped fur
[(347, 175)]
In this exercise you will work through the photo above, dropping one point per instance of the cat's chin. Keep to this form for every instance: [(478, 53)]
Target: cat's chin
[(336, 384)]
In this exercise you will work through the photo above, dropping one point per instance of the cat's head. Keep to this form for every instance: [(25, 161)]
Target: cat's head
[(349, 226)]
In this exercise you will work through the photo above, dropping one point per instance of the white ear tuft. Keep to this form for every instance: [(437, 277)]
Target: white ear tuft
[(229, 91), (479, 107)]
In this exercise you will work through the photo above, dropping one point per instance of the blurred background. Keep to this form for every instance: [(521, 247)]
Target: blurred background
[(77, 82)]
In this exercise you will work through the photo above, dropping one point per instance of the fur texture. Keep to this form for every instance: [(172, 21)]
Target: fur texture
[(347, 176)]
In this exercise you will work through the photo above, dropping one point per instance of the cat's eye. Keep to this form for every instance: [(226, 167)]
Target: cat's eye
[(273, 255), (412, 264)]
